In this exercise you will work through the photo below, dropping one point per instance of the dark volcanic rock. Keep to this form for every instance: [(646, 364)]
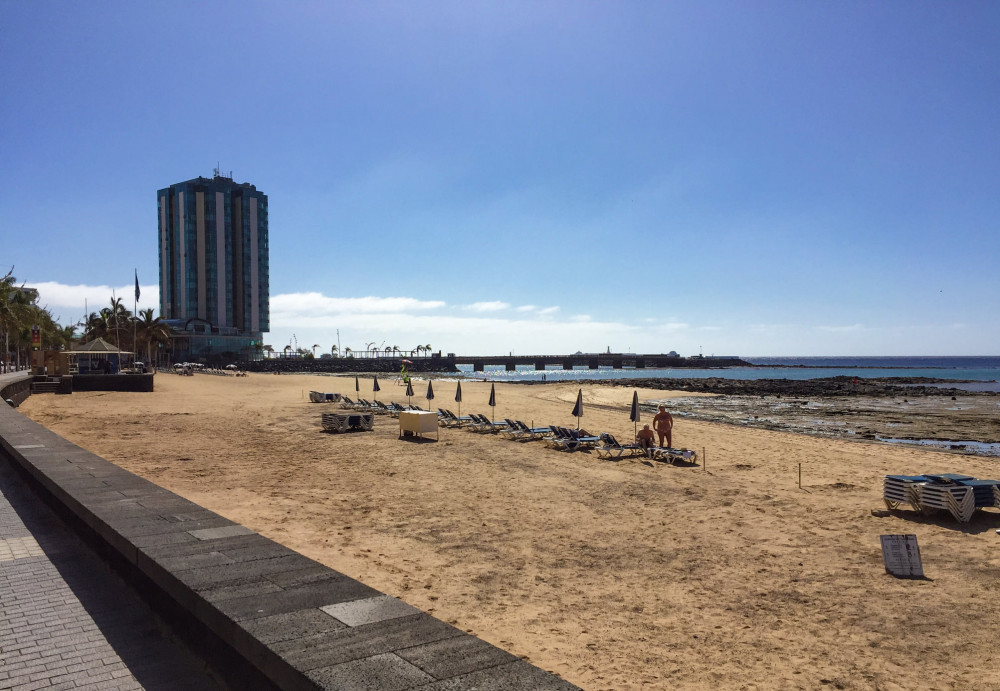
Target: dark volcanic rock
[(805, 388)]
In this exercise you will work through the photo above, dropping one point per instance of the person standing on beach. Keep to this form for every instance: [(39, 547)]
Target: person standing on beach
[(663, 423)]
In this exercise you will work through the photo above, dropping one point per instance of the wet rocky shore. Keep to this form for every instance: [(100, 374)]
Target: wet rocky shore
[(813, 388)]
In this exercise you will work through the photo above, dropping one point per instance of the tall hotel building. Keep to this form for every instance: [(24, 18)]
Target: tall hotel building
[(214, 268)]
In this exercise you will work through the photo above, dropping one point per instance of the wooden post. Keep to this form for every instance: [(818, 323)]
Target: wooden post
[(800, 476), (704, 460)]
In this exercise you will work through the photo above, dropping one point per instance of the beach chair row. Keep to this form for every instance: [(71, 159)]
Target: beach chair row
[(377, 407), (959, 495), (561, 438)]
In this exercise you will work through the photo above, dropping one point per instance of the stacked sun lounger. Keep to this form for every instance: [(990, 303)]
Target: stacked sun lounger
[(958, 500), (318, 397), (343, 422), (903, 489), (959, 495), (984, 492)]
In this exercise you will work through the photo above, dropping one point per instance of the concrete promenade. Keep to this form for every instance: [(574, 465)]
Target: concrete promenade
[(66, 620), (260, 616)]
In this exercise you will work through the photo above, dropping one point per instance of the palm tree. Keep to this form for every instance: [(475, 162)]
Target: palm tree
[(315, 346), (427, 349), (347, 351), (287, 348), (68, 334), (19, 314), (150, 330), (118, 316), (11, 312), (334, 351), (96, 326), (269, 350)]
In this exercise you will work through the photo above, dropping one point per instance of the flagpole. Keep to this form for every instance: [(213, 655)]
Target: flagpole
[(135, 318)]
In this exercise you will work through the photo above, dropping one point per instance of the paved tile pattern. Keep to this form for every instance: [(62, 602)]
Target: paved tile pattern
[(67, 621)]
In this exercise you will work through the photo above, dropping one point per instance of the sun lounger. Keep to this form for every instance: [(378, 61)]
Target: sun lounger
[(612, 448), (449, 419), (514, 429), (572, 440), (531, 433), (346, 403), (484, 425), (669, 455)]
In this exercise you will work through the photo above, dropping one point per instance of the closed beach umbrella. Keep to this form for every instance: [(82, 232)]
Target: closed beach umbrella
[(458, 398), (357, 385), (578, 408), (430, 393), (375, 388), (409, 391), (493, 401), (634, 415)]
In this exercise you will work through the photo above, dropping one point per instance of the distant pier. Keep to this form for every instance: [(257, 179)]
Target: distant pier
[(437, 362), (596, 361)]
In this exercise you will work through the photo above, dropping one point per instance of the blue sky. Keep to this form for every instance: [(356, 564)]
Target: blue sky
[(752, 178)]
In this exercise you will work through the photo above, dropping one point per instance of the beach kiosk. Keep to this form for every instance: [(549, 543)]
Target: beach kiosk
[(99, 357), (417, 422)]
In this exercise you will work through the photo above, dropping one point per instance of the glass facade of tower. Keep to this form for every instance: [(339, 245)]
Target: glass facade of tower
[(213, 247)]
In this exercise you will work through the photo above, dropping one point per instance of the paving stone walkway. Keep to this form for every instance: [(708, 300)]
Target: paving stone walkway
[(66, 620)]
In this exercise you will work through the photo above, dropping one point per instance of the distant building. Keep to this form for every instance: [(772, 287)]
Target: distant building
[(213, 246)]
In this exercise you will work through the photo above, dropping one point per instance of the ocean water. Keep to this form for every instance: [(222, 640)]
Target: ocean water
[(985, 371)]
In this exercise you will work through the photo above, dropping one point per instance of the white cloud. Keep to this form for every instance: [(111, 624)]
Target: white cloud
[(526, 308), (69, 303), (312, 305), (548, 311), (494, 306)]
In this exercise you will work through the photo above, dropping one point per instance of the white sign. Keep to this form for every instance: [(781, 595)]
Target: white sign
[(901, 556)]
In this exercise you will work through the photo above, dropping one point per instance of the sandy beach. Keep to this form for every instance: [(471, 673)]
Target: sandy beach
[(614, 575)]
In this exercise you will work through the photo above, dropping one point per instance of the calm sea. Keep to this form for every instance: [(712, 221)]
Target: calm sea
[(984, 371)]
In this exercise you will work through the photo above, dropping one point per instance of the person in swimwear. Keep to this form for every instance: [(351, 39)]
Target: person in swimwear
[(663, 423), (645, 439)]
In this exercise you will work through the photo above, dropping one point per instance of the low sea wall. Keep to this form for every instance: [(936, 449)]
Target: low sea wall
[(15, 386), (142, 383), (263, 615)]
